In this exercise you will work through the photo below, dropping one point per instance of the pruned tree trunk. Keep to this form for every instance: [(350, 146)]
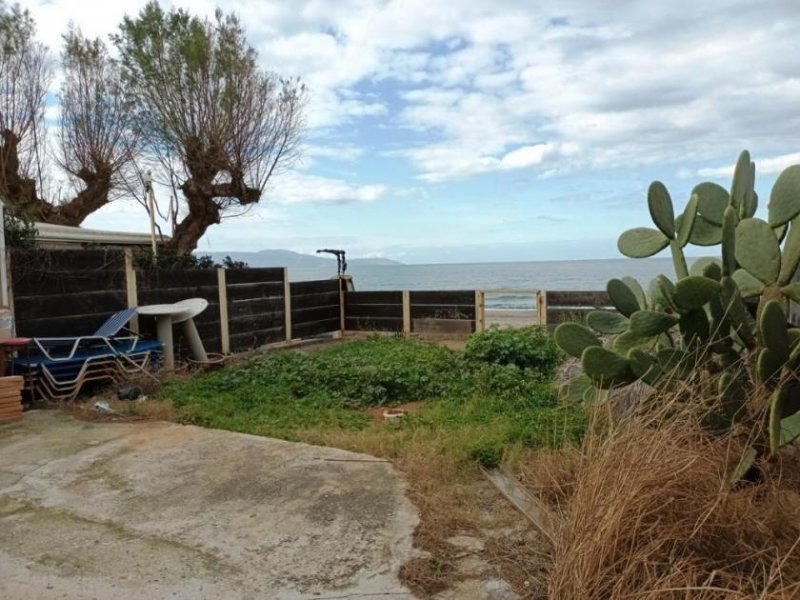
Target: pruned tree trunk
[(20, 192)]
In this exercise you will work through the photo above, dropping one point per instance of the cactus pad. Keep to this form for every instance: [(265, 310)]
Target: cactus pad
[(784, 202), (574, 338), (757, 250), (695, 327), (641, 242), (607, 322), (768, 366), (704, 233), (675, 363), (645, 367), (729, 222), (661, 211), (712, 201), (706, 267), (622, 297), (648, 323), (693, 292), (791, 253), (686, 224), (774, 333), (606, 368), (749, 286), (742, 180)]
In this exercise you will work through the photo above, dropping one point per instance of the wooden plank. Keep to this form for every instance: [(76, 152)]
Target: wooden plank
[(315, 328), (89, 302), (59, 283), (68, 260), (224, 331), (318, 313), (561, 315), (162, 279), (356, 298), (577, 298), (256, 306), (373, 324), (443, 297), (406, 313), (443, 311), (255, 322), (374, 310), (531, 507), (256, 338), (287, 305), (247, 291), (300, 288), (255, 275), (454, 327), (315, 300)]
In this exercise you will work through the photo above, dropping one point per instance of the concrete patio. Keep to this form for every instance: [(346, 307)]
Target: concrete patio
[(159, 510)]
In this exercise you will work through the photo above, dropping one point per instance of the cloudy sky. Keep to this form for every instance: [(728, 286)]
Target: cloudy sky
[(499, 129)]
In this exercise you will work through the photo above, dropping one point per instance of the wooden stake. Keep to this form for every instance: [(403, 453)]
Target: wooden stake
[(406, 313), (287, 304), (480, 310), (224, 332), (130, 288), (541, 308)]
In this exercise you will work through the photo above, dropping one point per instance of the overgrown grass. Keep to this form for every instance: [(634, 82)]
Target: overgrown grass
[(475, 407)]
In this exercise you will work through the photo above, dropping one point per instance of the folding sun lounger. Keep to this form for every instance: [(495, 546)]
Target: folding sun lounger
[(56, 368)]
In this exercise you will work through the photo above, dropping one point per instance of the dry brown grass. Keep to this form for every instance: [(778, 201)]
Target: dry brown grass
[(647, 513)]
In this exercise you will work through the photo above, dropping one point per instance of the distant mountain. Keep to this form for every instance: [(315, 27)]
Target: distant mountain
[(287, 258)]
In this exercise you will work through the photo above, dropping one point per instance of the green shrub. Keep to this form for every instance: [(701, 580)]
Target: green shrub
[(363, 373), (528, 348)]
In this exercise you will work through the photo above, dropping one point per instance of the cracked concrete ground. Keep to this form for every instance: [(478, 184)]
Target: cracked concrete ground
[(159, 510)]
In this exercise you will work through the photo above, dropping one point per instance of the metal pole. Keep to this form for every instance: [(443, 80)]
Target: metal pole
[(151, 201)]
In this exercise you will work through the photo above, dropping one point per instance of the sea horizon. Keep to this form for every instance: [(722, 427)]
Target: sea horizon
[(498, 279)]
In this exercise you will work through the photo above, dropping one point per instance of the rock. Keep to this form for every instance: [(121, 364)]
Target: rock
[(497, 589)]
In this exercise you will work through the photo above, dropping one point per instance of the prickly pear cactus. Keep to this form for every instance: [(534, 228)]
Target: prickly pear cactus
[(700, 329)]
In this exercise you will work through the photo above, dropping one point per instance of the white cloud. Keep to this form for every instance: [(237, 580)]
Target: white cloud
[(297, 187), (771, 166)]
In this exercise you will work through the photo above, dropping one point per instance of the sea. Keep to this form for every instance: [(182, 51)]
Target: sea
[(499, 280)]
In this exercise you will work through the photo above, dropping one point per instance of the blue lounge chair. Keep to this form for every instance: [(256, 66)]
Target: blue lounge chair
[(56, 368)]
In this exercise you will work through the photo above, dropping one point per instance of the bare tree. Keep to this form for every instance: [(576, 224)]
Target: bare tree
[(215, 122), (96, 142), (24, 79)]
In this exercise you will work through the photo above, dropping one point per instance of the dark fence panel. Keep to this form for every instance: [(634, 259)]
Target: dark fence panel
[(165, 286), (315, 307), (373, 311), (573, 306), (66, 293), (256, 307), (447, 305)]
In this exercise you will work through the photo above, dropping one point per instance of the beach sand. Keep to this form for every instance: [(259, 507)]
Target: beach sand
[(510, 318)]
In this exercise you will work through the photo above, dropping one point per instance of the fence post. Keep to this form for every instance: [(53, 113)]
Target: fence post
[(130, 288), (287, 304), (406, 313), (224, 332), (480, 310), (541, 307), (341, 307)]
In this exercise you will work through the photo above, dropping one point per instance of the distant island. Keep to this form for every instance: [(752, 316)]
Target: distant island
[(287, 258)]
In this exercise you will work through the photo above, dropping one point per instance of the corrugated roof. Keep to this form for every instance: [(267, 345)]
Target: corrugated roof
[(48, 232)]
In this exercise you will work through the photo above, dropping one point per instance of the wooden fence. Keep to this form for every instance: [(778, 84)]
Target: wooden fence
[(455, 312), (68, 292)]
